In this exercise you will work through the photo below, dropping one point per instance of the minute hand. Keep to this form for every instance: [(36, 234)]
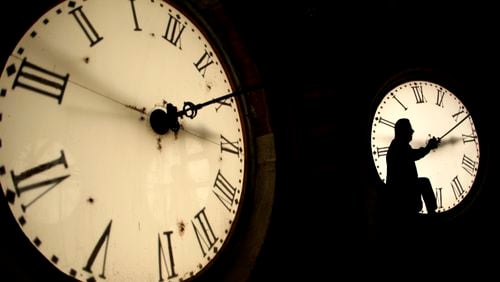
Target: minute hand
[(190, 109), (442, 136)]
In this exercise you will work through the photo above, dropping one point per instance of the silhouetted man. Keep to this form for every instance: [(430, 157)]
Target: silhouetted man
[(405, 187)]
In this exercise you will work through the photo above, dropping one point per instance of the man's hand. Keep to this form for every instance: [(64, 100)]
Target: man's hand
[(432, 143)]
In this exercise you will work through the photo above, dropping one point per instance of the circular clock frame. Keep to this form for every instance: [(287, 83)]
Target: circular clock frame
[(237, 257), (435, 77)]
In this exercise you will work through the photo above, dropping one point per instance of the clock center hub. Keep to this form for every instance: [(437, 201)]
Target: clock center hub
[(162, 120)]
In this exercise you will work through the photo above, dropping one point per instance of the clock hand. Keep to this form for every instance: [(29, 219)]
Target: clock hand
[(162, 120), (455, 126), (132, 107), (190, 109)]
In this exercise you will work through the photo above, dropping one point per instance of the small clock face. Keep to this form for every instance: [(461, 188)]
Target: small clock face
[(433, 111), (94, 187)]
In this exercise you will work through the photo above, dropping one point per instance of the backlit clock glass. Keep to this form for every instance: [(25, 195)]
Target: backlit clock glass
[(434, 111)]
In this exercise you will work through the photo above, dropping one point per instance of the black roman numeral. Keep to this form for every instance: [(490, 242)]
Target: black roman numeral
[(224, 191), (222, 103), (228, 146), (469, 165), (386, 122), (38, 170), (469, 138), (440, 98), (39, 80), (86, 26), (164, 262), (382, 151), (458, 113), (103, 239), (456, 187), (439, 198), (204, 233), (399, 102), (134, 15), (418, 92), (174, 31), (204, 61)]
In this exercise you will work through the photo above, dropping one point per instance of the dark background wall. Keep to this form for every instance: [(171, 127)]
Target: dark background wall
[(322, 63)]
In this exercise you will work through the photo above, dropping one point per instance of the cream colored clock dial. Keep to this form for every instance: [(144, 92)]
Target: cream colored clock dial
[(97, 191)]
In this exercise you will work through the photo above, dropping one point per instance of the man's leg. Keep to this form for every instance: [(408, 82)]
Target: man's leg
[(427, 194)]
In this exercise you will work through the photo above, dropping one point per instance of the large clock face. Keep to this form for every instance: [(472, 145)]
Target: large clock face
[(93, 186), (433, 111)]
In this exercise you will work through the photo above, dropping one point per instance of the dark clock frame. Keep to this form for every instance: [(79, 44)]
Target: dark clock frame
[(458, 88)]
